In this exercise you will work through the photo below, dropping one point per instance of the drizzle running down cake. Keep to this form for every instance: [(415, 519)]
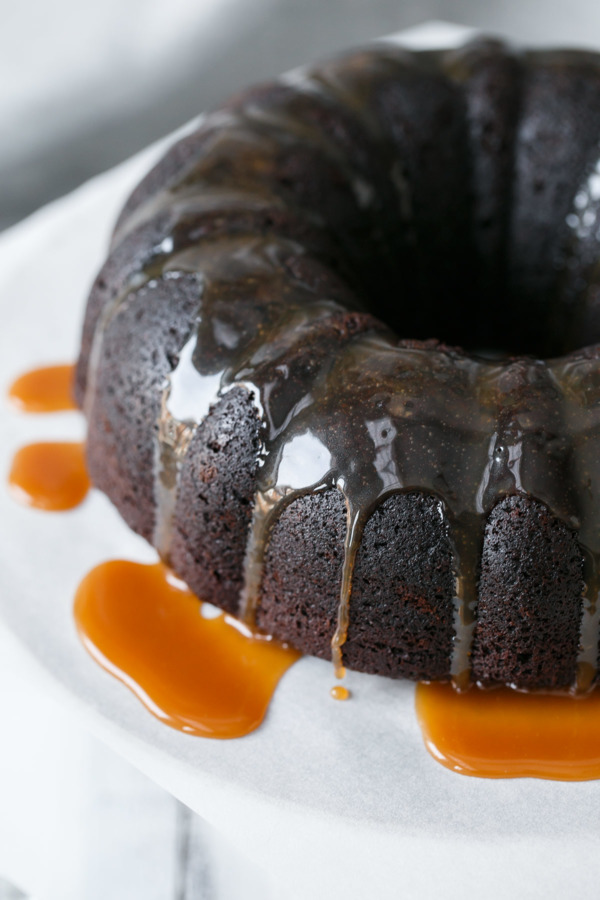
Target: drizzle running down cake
[(269, 400)]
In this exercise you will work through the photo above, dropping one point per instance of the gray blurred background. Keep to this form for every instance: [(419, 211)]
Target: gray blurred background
[(83, 85)]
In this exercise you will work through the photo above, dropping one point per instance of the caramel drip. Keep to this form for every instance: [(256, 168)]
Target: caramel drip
[(339, 692), (354, 530), (173, 440), (467, 541), (587, 657), (49, 476), (185, 401), (44, 390), (503, 733), (268, 506), (204, 676)]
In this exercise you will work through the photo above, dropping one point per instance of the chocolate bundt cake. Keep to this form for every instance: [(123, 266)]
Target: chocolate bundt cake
[(272, 380)]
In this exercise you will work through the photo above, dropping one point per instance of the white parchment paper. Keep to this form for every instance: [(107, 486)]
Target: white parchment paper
[(330, 798)]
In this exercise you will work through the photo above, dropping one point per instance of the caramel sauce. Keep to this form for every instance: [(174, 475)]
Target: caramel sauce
[(339, 692), (503, 733), (205, 676), (45, 390), (49, 475)]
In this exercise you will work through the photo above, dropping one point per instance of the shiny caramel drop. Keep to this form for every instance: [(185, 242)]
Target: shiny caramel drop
[(49, 475), (204, 676), (503, 733), (45, 390), (339, 692)]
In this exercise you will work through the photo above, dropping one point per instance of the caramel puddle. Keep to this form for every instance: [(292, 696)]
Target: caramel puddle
[(44, 390), (49, 475), (503, 733), (204, 676)]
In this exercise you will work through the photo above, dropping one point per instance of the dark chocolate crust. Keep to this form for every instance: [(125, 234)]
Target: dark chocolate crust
[(220, 473), (321, 468), (401, 611), (140, 348), (529, 590)]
